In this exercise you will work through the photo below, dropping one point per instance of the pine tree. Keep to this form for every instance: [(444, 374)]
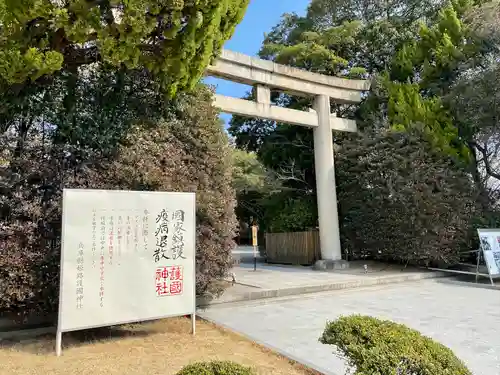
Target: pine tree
[(175, 39)]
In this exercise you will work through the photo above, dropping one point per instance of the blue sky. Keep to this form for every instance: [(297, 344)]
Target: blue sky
[(260, 17)]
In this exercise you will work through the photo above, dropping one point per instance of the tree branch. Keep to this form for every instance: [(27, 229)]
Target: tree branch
[(81, 56), (292, 173), (487, 164)]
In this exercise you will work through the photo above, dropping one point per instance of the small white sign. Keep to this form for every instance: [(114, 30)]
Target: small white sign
[(126, 256), (490, 245)]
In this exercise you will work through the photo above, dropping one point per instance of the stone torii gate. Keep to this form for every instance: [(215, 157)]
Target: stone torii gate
[(265, 75)]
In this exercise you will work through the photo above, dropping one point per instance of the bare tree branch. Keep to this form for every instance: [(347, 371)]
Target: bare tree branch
[(290, 172), (486, 160)]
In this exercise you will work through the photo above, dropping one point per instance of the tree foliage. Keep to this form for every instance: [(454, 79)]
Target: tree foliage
[(252, 183), (429, 63), (174, 39), (88, 101), (474, 105), (287, 212), (415, 55), (93, 109), (249, 175)]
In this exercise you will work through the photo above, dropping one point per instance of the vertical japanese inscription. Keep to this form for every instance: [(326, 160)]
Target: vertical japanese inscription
[(178, 235), (94, 236), (136, 233), (128, 231), (161, 236), (79, 276), (111, 235), (97, 267), (119, 236), (103, 245), (145, 229)]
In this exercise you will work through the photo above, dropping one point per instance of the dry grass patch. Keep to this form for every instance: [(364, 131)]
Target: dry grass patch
[(161, 347)]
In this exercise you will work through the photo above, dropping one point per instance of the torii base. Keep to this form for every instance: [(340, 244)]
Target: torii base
[(331, 265)]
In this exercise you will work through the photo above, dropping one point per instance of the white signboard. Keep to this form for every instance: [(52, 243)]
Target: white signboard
[(126, 256), (490, 245)]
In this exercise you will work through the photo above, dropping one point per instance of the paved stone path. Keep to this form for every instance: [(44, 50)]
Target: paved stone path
[(465, 318), (279, 277), (270, 281)]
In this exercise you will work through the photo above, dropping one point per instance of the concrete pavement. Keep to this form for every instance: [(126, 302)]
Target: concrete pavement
[(271, 281), (464, 318)]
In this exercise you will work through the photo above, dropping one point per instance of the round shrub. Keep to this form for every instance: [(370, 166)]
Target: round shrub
[(216, 368), (374, 347)]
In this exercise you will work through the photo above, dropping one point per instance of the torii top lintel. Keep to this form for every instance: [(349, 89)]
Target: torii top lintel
[(253, 71)]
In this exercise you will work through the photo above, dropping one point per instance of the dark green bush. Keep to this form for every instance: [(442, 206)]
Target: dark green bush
[(401, 200), (215, 368), (380, 347)]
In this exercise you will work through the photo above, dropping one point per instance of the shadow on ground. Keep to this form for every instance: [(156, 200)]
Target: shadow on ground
[(45, 343), (470, 281)]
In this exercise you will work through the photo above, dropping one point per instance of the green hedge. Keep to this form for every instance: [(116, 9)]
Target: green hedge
[(380, 347), (401, 200), (216, 368)]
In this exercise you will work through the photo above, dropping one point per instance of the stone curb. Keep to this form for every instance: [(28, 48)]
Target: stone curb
[(275, 293), (267, 346)]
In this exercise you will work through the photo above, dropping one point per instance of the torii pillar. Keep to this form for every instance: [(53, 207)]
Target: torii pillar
[(329, 232), (266, 75)]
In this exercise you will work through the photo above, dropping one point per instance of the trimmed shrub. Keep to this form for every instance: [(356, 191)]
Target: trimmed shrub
[(401, 200), (216, 368), (380, 347)]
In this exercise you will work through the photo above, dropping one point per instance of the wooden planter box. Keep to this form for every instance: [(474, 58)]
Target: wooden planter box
[(301, 248)]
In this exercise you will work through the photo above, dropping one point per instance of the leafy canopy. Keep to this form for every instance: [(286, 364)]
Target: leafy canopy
[(175, 39), (414, 52), (248, 172)]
